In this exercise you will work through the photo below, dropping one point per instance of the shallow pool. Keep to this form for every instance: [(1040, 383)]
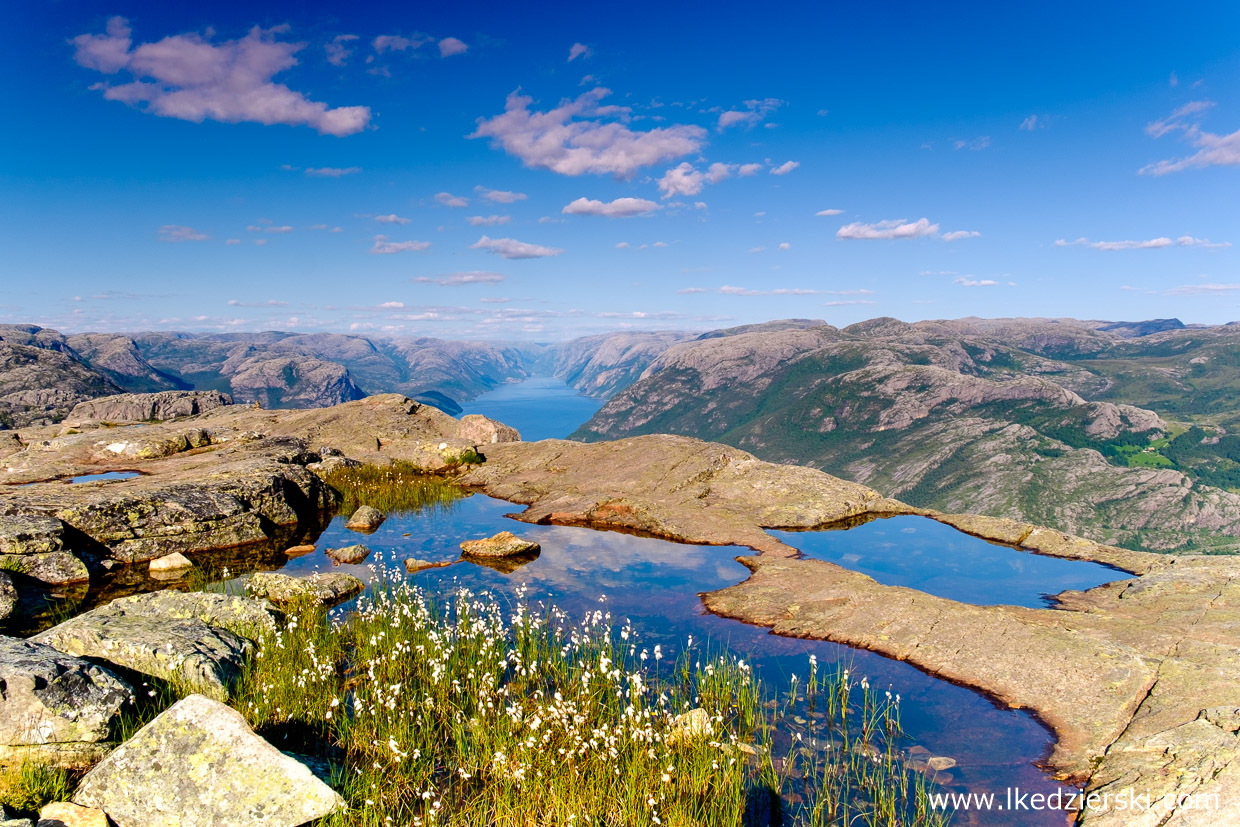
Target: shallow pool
[(935, 558)]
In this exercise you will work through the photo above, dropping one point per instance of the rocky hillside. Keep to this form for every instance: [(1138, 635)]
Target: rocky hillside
[(1028, 419), (42, 377)]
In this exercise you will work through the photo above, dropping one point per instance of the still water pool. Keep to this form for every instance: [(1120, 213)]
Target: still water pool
[(656, 583)]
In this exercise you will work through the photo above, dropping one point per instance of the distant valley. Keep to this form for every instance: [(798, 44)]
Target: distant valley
[(1123, 432)]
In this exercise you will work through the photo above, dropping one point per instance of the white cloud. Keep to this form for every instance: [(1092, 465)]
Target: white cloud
[(729, 290), (392, 306), (619, 208), (754, 112), (232, 242), (1030, 123), (1148, 244), (494, 300), (487, 220), (1212, 149), (965, 281), (1202, 289), (683, 179), (269, 228), (784, 245), (177, 232), (577, 138), (338, 51), (383, 247), (192, 79), (975, 145), (717, 172), (829, 212), (957, 235), (579, 50), (392, 218), (500, 196), (450, 200), (397, 43), (511, 248), (785, 168), (466, 277), (890, 229), (745, 170), (450, 46), (622, 245), (687, 290), (332, 172), (268, 303)]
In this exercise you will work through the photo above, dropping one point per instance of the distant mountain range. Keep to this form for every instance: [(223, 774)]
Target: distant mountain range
[(1125, 432)]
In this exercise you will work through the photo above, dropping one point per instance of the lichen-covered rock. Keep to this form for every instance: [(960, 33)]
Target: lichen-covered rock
[(185, 652), (321, 588), (54, 568), (349, 554), (365, 519), (30, 534), (8, 595), (199, 765), (504, 544), (196, 640), (143, 407), (5, 821), (50, 697)]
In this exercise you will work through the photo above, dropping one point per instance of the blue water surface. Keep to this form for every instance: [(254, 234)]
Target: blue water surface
[(935, 558), (541, 407)]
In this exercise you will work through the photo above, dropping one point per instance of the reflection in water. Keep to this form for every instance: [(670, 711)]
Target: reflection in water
[(655, 585), (932, 557), (105, 475)]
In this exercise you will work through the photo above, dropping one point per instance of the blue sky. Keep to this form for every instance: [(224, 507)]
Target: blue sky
[(504, 172)]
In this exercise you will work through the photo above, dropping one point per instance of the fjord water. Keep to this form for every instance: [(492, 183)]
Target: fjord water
[(541, 407), (656, 583), (935, 558)]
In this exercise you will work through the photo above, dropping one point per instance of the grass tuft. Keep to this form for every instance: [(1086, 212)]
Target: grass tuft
[(28, 787)]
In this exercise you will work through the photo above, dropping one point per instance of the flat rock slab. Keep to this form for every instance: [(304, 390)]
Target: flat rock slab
[(199, 765), (321, 588), (142, 407), (504, 544), (349, 554), (67, 814), (49, 697), (54, 568), (196, 639), (187, 653), (365, 519)]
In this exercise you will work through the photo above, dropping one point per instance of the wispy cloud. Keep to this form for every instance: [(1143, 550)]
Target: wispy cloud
[(450, 200), (957, 235), (583, 136), (619, 208), (785, 168), (383, 247), (190, 78), (488, 220), (512, 249), (1148, 244), (1212, 149), (1201, 289), (579, 50), (753, 112), (332, 172), (269, 228), (829, 212), (466, 277), (340, 49), (896, 228), (967, 281), (268, 303), (392, 218), (500, 196), (178, 232), (974, 145)]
